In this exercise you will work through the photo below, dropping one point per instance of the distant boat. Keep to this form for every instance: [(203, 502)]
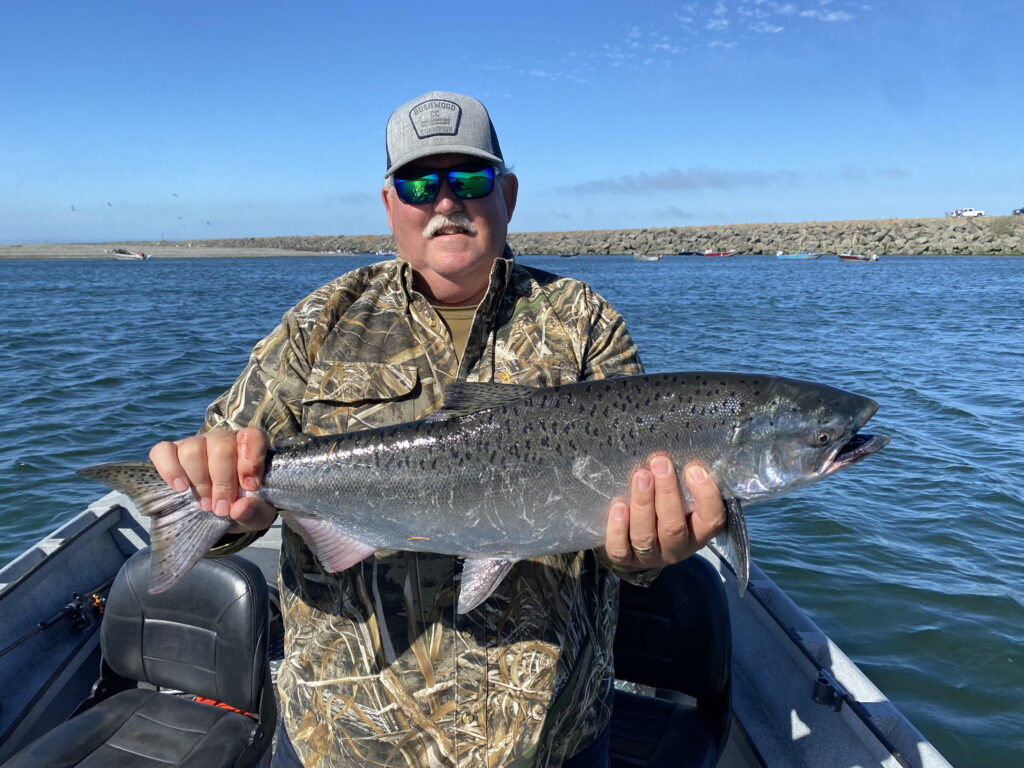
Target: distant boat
[(849, 255), (646, 257), (690, 253), (800, 255), (123, 254), (720, 254)]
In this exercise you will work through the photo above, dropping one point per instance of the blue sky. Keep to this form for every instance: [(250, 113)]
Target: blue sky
[(188, 120)]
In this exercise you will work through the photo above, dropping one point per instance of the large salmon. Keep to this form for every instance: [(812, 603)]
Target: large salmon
[(504, 472)]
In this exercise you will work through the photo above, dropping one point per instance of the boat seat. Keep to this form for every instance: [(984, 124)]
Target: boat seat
[(673, 636), (206, 636)]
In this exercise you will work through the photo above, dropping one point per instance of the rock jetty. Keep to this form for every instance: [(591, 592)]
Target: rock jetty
[(991, 235)]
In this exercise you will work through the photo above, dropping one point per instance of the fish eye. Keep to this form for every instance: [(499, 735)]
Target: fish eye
[(823, 437)]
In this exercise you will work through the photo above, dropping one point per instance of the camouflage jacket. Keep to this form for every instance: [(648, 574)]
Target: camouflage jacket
[(379, 669)]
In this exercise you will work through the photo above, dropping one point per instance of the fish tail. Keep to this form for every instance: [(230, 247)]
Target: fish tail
[(179, 531)]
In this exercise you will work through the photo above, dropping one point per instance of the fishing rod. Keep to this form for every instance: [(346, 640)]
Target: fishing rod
[(79, 614)]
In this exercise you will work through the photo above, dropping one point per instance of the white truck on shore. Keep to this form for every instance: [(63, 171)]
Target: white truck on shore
[(968, 213)]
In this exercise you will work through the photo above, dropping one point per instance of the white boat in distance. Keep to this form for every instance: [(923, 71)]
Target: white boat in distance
[(646, 257), (706, 677), (849, 255), (123, 254)]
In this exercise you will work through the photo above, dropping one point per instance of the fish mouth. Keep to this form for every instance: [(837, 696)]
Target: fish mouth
[(856, 449)]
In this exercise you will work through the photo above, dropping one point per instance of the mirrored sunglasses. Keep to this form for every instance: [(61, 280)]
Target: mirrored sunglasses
[(416, 186)]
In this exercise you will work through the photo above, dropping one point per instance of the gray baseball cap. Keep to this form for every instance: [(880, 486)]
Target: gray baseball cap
[(440, 122)]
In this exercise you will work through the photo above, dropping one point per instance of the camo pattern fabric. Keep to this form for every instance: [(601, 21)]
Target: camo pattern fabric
[(379, 669)]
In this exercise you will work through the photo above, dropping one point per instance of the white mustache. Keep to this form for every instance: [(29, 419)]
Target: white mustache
[(457, 220)]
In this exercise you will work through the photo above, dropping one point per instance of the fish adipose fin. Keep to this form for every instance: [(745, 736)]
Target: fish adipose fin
[(480, 577), (733, 543), (335, 550), (179, 531), (462, 398)]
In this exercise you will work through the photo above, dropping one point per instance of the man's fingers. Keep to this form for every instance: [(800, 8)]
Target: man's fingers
[(708, 518), (616, 544), (192, 457), (252, 446), (222, 454), (643, 530), (253, 513), (164, 456), (673, 532)]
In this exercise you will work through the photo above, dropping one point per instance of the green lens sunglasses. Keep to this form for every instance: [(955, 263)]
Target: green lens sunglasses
[(417, 186)]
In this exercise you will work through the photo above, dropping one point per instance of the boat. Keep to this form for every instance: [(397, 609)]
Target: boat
[(720, 254), (704, 676), (849, 255), (123, 254), (800, 255), (646, 257)]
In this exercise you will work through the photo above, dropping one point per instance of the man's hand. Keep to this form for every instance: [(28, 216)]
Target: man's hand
[(654, 529), (216, 465)]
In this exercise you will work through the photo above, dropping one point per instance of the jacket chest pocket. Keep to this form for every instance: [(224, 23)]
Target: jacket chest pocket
[(347, 396)]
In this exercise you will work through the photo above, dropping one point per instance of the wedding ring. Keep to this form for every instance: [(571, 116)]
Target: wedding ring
[(642, 550)]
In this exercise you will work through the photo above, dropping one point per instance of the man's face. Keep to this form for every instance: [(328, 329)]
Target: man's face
[(452, 260)]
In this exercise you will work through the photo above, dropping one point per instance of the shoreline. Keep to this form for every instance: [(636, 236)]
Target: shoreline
[(983, 236)]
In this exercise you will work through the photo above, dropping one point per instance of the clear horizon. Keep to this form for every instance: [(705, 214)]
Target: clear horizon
[(143, 121)]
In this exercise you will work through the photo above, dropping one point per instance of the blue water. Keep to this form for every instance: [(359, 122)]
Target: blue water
[(913, 561)]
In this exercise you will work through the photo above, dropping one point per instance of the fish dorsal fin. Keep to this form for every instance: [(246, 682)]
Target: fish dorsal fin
[(463, 397)]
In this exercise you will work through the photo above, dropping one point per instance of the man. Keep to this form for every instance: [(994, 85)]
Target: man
[(378, 668)]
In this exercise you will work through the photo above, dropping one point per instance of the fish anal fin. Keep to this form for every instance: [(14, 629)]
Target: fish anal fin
[(335, 549), (480, 577)]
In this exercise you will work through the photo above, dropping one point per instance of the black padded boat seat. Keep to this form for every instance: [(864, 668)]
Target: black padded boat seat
[(675, 637), (206, 636)]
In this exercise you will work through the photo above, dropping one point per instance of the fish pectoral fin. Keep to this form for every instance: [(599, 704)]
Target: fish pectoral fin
[(480, 577), (733, 543), (335, 550)]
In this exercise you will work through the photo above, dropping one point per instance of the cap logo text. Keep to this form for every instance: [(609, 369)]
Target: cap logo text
[(436, 117)]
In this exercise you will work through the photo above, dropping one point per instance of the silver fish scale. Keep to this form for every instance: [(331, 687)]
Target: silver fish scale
[(534, 476)]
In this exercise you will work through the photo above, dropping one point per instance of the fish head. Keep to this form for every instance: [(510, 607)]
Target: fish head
[(795, 434)]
